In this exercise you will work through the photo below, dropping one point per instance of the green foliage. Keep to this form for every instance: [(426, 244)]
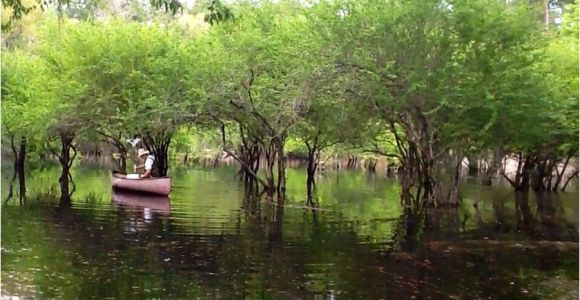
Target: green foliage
[(348, 77), (118, 76), (295, 147), (26, 97)]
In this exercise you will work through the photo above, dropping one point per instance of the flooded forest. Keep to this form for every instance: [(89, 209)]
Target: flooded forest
[(333, 149)]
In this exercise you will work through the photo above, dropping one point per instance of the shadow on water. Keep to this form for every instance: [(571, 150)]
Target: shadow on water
[(350, 239)]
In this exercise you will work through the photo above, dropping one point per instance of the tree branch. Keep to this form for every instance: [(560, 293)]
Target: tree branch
[(73, 157), (575, 174), (234, 156), (513, 183)]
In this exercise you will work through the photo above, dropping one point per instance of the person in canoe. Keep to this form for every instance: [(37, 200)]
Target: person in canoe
[(146, 165)]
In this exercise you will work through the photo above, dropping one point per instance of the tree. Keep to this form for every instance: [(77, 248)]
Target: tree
[(264, 57), (422, 68), (22, 121)]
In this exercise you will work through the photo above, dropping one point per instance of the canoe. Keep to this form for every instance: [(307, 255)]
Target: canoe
[(156, 203), (156, 185)]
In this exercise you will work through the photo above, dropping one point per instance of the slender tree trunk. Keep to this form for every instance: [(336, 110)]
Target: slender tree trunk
[(428, 184), (575, 174), (66, 163), (549, 178), (560, 175), (526, 173), (250, 154), (371, 165), (256, 155), (473, 169), (406, 182), (159, 145), (270, 162), (311, 169), (20, 169), (123, 162), (494, 166), (313, 161), (249, 169), (244, 155), (517, 178), (281, 166), (538, 174), (453, 195)]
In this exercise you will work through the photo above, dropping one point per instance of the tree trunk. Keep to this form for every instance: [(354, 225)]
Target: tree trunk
[(270, 162), (527, 170), (311, 169), (250, 154), (406, 182), (123, 162), (66, 161), (431, 196), (244, 155), (158, 144), (492, 168), (549, 178), (453, 198), (538, 174), (575, 174), (371, 165), (560, 175), (20, 169), (473, 169), (281, 166)]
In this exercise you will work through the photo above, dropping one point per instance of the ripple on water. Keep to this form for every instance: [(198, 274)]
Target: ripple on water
[(208, 240)]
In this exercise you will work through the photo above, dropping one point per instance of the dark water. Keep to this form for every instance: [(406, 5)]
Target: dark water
[(209, 241)]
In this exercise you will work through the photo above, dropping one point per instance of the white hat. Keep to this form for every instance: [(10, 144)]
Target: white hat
[(142, 152)]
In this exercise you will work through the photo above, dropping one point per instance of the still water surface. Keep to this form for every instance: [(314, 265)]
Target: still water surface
[(210, 241)]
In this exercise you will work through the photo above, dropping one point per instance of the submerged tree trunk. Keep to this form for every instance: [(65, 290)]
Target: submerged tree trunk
[(19, 161), (371, 165), (560, 175), (538, 174), (524, 169), (123, 162), (418, 151), (250, 155), (244, 155), (575, 174), (158, 144), (454, 192), (492, 168), (311, 172), (313, 161), (66, 161), (281, 167), (406, 182), (527, 171), (20, 169), (117, 142), (249, 169), (270, 155)]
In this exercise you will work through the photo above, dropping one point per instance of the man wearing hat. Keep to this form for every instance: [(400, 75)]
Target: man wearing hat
[(146, 168)]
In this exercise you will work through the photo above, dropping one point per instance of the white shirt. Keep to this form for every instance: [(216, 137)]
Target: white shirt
[(149, 162)]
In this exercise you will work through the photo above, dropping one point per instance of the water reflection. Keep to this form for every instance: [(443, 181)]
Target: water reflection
[(149, 204), (350, 240)]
